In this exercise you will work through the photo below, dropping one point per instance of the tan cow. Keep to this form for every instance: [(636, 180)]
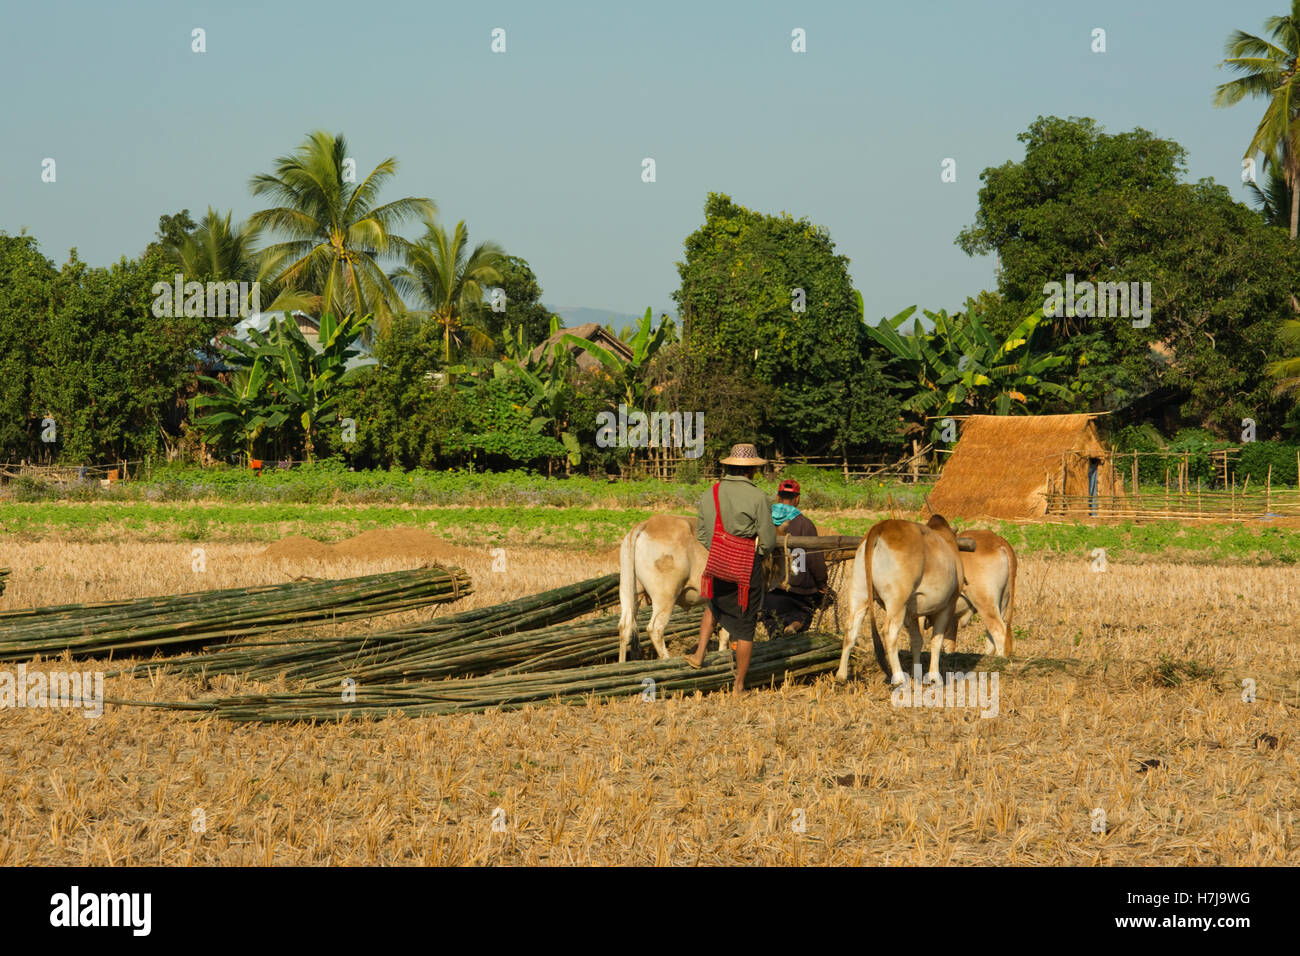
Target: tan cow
[(990, 591), (912, 570), (661, 559)]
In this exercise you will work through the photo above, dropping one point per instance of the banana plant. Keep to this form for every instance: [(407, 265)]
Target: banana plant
[(645, 343), (307, 377), (961, 366), (241, 409), (547, 380)]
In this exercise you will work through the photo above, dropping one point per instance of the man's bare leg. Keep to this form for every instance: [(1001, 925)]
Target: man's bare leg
[(706, 632), (743, 651)]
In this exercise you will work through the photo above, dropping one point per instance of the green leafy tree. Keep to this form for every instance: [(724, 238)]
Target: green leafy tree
[(1274, 200), (445, 277), (1286, 371), (404, 417), (173, 230), (337, 231), (1102, 207), (500, 428), (110, 373), (26, 291), (285, 373), (307, 377), (768, 299), (523, 311)]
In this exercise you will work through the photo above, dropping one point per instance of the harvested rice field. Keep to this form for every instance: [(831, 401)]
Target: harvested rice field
[(1149, 717)]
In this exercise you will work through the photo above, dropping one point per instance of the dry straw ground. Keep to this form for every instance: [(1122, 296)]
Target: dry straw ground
[(1126, 696)]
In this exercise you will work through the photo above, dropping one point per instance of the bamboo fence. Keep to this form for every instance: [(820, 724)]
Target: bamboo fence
[(1181, 498)]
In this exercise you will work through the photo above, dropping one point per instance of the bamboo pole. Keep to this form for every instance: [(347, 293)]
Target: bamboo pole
[(1268, 489)]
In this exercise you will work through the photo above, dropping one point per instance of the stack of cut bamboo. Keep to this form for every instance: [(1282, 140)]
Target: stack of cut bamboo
[(149, 624), (473, 642), (785, 657)]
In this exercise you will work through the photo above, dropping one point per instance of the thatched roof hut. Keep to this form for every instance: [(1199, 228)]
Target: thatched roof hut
[(1007, 466)]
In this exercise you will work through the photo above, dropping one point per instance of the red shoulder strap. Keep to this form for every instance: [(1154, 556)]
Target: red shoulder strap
[(717, 509)]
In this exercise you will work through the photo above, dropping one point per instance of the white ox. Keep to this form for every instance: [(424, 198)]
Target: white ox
[(990, 590), (912, 570), (661, 559)]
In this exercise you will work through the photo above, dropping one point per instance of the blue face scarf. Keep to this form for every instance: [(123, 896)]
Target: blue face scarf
[(782, 512)]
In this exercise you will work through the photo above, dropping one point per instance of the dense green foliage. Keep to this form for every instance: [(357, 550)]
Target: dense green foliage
[(773, 345), (960, 368), (1103, 207), (767, 299), (81, 347)]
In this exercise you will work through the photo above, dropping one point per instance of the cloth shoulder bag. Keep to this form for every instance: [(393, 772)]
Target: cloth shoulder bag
[(731, 558)]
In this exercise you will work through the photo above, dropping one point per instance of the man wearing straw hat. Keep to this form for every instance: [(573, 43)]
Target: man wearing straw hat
[(736, 527)]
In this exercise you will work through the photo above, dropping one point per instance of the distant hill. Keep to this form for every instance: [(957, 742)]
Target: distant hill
[(580, 315)]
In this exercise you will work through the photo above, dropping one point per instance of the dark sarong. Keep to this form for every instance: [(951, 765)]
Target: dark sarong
[(725, 605)]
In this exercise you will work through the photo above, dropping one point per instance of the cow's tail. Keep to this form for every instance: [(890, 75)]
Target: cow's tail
[(627, 592), (876, 643), (1009, 599)]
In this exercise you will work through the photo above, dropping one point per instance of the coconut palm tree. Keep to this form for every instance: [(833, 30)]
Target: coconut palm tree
[(443, 276), (1270, 70), (336, 232), (1274, 199), (219, 251), (216, 250)]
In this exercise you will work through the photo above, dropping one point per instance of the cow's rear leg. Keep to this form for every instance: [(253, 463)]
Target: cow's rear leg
[(658, 622), (894, 621), (964, 613), (917, 640), (995, 634), (851, 638), (945, 631)]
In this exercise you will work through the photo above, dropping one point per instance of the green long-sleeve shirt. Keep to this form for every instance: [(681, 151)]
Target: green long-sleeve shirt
[(745, 512)]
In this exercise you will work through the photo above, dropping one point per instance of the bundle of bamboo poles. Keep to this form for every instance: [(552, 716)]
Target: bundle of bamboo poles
[(473, 642), (148, 624), (785, 657)]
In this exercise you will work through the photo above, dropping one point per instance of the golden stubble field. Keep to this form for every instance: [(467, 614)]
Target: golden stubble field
[(1102, 709)]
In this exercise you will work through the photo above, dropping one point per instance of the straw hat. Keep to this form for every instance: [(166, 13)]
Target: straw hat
[(743, 455)]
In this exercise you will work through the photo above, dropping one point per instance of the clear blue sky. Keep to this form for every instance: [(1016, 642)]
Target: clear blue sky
[(540, 148)]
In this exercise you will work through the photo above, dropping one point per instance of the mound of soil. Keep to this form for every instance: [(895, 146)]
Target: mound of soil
[(379, 544), (402, 543), (298, 548)]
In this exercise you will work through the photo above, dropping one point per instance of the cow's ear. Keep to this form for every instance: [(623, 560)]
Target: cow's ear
[(966, 544)]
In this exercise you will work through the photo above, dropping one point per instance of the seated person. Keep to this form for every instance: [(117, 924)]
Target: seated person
[(789, 604)]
